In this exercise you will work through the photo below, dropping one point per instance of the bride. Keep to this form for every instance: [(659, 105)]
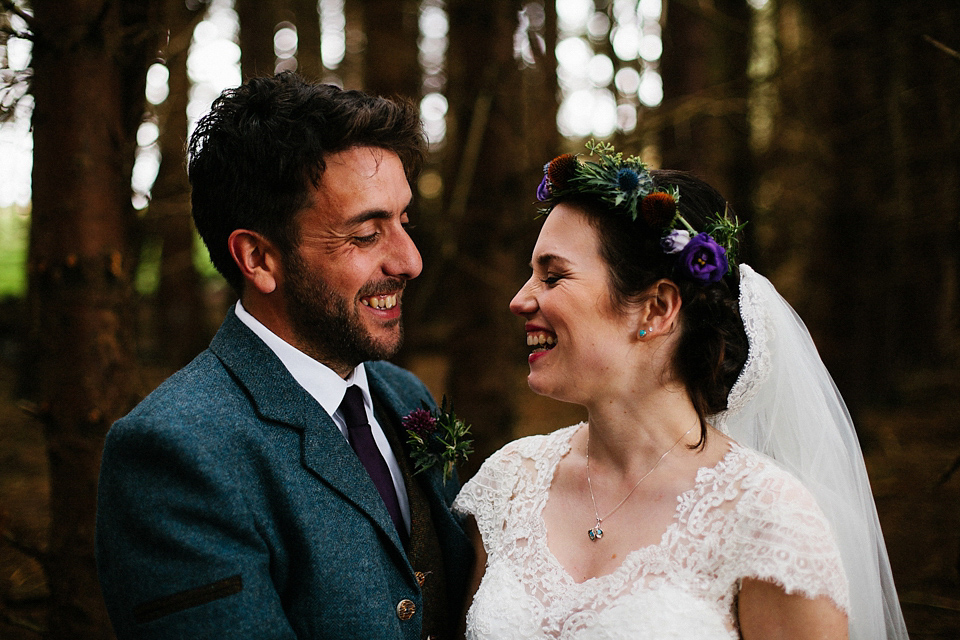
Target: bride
[(717, 489)]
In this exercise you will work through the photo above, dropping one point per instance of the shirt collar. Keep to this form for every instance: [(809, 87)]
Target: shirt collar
[(319, 380)]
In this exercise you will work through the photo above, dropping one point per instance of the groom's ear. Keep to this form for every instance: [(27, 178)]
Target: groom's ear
[(257, 258)]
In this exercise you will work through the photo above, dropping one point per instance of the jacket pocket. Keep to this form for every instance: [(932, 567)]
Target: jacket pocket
[(150, 611)]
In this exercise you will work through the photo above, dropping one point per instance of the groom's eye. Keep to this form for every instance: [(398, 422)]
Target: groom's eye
[(366, 240)]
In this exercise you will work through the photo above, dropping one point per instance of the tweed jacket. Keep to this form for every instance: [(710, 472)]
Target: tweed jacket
[(230, 506)]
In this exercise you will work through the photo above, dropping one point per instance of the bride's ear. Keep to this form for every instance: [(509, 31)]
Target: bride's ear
[(658, 313)]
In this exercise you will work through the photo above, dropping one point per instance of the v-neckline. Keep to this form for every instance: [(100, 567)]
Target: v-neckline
[(541, 541)]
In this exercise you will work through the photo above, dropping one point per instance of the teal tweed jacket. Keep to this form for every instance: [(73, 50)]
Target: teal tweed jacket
[(230, 506)]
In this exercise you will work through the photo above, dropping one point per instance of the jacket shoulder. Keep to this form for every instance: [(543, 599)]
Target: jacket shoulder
[(201, 385)]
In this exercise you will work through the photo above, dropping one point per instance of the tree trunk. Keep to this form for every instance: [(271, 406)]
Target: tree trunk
[(938, 147), (892, 158), (706, 89), (924, 151), (180, 328), (89, 63), (861, 180), (542, 140), (391, 67), (307, 19), (351, 69), (850, 260), (544, 89), (486, 251), (791, 155), (257, 21)]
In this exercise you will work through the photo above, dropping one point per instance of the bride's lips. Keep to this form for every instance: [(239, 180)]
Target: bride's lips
[(540, 339)]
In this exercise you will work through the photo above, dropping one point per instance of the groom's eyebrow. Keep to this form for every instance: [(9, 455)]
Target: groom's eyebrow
[(374, 214)]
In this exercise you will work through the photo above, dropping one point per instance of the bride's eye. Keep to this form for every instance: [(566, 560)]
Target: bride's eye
[(551, 279)]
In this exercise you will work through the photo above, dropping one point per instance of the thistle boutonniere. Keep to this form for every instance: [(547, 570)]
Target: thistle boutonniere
[(437, 437)]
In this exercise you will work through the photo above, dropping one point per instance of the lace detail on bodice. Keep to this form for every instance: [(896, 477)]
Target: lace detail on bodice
[(743, 518)]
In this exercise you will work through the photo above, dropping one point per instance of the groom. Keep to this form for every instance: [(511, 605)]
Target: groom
[(264, 491)]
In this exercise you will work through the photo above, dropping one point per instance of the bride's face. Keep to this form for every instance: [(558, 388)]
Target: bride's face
[(581, 345)]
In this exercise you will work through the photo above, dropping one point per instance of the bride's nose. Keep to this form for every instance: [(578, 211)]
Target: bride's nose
[(524, 302)]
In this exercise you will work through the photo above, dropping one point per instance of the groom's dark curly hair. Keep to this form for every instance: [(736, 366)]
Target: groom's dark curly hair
[(255, 158)]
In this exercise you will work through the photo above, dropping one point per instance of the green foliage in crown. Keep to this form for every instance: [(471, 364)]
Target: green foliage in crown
[(725, 229), (624, 186), (619, 184)]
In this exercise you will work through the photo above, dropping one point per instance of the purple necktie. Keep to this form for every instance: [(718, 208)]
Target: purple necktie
[(361, 439)]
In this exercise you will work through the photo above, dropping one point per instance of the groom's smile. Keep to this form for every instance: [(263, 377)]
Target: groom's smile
[(380, 302)]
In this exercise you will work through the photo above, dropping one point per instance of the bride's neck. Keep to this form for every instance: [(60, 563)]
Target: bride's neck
[(632, 432)]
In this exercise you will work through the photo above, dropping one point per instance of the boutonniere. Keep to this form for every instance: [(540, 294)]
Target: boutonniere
[(437, 437)]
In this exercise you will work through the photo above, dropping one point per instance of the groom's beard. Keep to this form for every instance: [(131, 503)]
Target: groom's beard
[(329, 325)]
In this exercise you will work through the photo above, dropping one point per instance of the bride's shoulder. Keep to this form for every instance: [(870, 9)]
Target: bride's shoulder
[(535, 447), (765, 487), (779, 530), (516, 467)]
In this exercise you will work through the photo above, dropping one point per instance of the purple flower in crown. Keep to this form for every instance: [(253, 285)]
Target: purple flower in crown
[(675, 241), (703, 259), (543, 191)]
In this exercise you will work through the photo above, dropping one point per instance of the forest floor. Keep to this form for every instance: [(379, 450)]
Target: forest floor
[(909, 453)]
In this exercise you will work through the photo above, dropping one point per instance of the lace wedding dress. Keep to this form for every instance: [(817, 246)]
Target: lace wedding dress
[(745, 517)]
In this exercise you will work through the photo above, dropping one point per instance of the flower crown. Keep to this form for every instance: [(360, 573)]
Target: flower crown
[(625, 187)]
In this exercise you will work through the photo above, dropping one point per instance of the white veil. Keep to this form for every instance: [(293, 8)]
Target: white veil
[(785, 405)]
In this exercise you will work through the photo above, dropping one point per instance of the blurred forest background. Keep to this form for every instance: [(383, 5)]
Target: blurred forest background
[(832, 127)]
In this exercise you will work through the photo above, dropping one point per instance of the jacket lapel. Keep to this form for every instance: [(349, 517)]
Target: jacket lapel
[(277, 397), (455, 549)]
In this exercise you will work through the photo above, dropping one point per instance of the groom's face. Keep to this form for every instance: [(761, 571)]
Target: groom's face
[(344, 282)]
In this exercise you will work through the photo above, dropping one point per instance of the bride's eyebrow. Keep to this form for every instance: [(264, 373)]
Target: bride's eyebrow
[(546, 259)]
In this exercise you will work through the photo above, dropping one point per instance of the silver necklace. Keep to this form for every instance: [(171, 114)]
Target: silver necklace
[(596, 532)]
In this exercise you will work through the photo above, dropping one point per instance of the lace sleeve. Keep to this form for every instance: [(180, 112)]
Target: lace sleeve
[(783, 537), (486, 495)]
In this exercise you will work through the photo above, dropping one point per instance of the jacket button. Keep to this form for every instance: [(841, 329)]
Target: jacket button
[(421, 578), (405, 609)]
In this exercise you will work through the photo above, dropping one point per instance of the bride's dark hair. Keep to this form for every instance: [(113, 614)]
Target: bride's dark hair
[(712, 347)]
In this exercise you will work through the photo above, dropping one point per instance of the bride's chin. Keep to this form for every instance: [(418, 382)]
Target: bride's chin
[(544, 388), (536, 385)]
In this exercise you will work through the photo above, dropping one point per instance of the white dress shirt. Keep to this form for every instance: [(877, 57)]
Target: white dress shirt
[(328, 388)]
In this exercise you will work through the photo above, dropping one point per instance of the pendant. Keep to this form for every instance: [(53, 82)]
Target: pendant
[(596, 533)]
